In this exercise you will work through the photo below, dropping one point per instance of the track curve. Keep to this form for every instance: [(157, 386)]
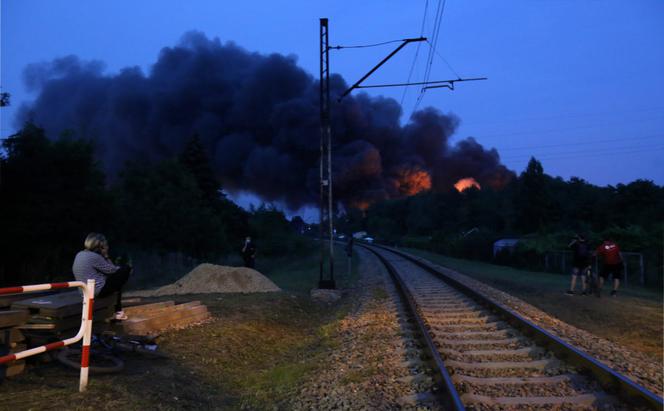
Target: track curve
[(490, 358)]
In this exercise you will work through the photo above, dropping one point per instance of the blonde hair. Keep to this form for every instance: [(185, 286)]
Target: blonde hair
[(95, 242)]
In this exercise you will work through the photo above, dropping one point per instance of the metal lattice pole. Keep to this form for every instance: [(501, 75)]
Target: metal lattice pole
[(326, 202)]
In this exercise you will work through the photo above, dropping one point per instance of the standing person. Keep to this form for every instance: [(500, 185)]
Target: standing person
[(94, 263), (581, 261), (612, 264), (249, 253)]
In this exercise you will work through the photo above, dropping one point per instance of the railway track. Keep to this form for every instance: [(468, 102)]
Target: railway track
[(487, 357)]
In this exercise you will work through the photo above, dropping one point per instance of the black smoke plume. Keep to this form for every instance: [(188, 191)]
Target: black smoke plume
[(258, 116)]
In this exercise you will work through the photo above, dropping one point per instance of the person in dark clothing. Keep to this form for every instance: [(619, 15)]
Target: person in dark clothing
[(612, 264), (581, 262), (249, 253), (94, 263)]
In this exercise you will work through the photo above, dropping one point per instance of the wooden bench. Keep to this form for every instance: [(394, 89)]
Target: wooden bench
[(12, 340)]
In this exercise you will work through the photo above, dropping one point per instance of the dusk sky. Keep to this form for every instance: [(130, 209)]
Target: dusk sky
[(577, 84)]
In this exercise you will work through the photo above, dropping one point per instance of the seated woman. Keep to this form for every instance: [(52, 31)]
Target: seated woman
[(93, 263)]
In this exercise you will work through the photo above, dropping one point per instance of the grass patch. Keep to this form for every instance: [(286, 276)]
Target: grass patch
[(253, 355), (634, 319), (301, 273), (379, 293)]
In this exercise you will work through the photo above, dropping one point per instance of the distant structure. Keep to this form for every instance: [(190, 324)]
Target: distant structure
[(359, 235), (505, 244)]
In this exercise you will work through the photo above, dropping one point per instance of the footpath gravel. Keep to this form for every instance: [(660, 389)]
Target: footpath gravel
[(376, 362), (636, 366)]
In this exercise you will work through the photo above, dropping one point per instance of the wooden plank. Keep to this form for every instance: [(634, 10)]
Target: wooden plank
[(163, 321), (165, 313), (62, 304), (182, 322), (162, 310), (12, 369), (40, 322), (13, 318), (11, 335), (6, 300), (139, 309)]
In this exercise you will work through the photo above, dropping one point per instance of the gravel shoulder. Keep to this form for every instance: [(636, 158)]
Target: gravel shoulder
[(637, 366), (375, 362)]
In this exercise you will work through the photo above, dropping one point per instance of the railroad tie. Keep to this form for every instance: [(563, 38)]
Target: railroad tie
[(555, 379), (488, 326), (504, 341), (527, 351), (498, 365), (582, 401), (470, 334)]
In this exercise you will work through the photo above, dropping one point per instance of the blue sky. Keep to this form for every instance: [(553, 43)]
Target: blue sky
[(578, 84)]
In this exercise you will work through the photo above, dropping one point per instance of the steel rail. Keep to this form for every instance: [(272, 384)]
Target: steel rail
[(451, 398), (609, 379)]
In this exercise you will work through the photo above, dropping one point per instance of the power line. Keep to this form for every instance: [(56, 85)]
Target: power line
[(567, 115), (445, 61), (434, 35), (417, 52), (583, 143), (563, 154), (604, 124), (366, 45), (591, 155)]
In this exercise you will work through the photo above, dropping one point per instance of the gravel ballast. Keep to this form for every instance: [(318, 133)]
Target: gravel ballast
[(376, 363), (636, 366)]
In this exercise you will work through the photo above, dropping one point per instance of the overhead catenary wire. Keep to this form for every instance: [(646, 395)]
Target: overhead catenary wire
[(417, 52), (444, 60), (564, 115), (578, 143), (366, 45), (557, 130), (429, 62), (608, 150), (587, 155)]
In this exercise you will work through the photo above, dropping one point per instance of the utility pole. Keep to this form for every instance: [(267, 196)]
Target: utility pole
[(326, 203), (326, 210)]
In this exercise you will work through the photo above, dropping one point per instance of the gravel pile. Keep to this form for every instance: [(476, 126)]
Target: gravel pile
[(375, 365), (210, 278), (637, 366)]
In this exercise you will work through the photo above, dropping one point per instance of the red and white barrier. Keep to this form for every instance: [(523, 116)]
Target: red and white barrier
[(85, 332)]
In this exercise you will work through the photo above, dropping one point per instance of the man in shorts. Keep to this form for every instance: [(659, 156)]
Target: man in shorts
[(580, 262), (612, 264)]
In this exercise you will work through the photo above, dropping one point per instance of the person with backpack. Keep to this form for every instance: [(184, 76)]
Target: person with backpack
[(612, 264), (581, 262)]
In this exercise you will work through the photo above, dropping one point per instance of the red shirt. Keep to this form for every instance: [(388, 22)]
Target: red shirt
[(610, 252)]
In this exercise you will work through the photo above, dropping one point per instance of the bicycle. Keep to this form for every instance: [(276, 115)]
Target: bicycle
[(592, 285), (105, 352)]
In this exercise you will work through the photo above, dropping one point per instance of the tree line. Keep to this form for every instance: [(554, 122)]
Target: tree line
[(53, 193), (543, 211)]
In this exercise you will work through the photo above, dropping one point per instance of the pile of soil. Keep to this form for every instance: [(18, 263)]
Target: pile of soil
[(210, 278)]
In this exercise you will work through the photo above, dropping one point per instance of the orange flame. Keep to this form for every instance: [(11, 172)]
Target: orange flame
[(411, 182), (466, 183), (361, 205)]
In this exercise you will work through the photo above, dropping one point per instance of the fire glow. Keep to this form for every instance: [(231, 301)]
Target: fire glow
[(466, 183)]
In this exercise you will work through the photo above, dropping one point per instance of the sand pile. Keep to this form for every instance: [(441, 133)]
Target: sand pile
[(210, 278)]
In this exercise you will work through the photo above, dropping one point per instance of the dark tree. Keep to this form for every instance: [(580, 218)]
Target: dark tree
[(53, 194), (195, 159)]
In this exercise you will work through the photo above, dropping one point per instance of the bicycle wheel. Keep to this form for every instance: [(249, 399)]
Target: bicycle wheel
[(139, 348), (100, 363)]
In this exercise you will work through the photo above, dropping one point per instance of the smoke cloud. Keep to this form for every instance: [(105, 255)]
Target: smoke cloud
[(258, 117)]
